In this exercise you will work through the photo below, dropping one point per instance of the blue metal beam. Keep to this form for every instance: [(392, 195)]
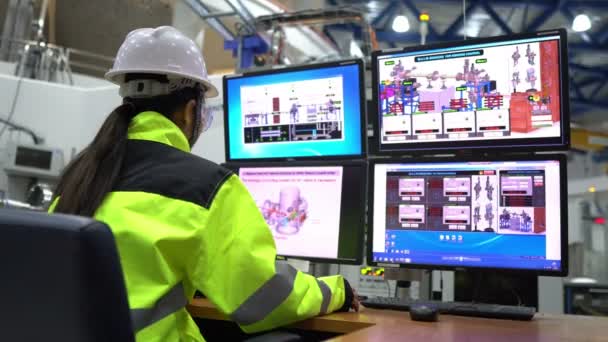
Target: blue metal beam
[(599, 105), (394, 37), (327, 33), (386, 11), (542, 18), (572, 4), (589, 81), (602, 35), (497, 19), (586, 4), (585, 47), (596, 71), (450, 32), (577, 90), (349, 27), (595, 92), (517, 3)]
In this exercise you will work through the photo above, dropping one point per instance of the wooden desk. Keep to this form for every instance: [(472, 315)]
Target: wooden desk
[(386, 325)]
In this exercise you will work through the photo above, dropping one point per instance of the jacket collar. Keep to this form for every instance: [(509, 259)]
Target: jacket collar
[(153, 126)]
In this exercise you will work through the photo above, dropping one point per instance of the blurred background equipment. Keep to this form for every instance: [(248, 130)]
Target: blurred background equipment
[(584, 297), (29, 173)]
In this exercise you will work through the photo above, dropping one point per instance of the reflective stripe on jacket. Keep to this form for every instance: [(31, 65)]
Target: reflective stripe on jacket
[(183, 223)]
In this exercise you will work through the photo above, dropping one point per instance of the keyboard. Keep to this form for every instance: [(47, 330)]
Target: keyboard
[(521, 313)]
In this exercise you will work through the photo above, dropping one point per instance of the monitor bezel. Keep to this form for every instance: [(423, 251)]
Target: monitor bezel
[(360, 233), (561, 143), (278, 70), (563, 204)]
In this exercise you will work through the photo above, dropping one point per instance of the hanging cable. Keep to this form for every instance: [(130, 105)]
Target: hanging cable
[(7, 122), (14, 127), (464, 19)]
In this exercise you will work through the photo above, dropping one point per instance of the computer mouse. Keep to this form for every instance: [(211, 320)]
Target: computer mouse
[(424, 313)]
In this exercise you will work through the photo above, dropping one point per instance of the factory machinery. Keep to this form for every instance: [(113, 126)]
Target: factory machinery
[(28, 175), (406, 99)]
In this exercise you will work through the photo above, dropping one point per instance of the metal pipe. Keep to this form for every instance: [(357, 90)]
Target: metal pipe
[(41, 19), (89, 54), (12, 204), (57, 47), (199, 8), (243, 15), (88, 66), (217, 15)]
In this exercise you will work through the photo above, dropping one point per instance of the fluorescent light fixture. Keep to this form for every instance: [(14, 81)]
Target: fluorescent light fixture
[(355, 50), (401, 24), (581, 23)]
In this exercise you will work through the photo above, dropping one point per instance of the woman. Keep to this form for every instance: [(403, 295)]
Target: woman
[(182, 223)]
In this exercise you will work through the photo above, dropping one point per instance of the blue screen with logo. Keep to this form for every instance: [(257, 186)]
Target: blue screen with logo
[(295, 113)]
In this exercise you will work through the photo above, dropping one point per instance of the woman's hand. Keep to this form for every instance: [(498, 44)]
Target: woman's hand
[(356, 304)]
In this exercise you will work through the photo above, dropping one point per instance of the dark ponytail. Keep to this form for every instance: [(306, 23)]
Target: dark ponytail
[(92, 174)]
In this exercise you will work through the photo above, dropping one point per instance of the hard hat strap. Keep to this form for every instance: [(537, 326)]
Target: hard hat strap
[(150, 87), (143, 88)]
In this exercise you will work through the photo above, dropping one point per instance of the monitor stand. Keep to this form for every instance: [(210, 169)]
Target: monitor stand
[(492, 287)]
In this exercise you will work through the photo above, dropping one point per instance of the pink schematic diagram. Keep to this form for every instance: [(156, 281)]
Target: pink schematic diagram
[(288, 214), (301, 206)]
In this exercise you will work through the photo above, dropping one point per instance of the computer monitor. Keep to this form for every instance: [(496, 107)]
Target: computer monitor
[(312, 111), (315, 210), (445, 214), (507, 92)]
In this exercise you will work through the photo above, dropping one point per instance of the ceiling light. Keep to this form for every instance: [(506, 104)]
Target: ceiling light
[(581, 23), (401, 24), (355, 50)]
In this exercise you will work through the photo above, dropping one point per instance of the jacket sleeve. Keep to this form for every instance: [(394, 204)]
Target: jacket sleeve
[(236, 268), (53, 205)]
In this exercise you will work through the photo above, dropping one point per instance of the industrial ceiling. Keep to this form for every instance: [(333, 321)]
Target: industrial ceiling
[(99, 27)]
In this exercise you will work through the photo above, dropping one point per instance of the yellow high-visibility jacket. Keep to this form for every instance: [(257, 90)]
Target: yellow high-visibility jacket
[(183, 223)]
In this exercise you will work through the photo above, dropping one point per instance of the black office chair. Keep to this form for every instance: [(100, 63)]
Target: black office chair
[(61, 280)]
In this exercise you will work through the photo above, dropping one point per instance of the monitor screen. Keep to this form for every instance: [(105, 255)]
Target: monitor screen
[(36, 158), (484, 93), (497, 214), (306, 111), (314, 211)]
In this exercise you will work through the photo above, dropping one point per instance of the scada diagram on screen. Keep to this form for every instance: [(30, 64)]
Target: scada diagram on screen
[(301, 206)]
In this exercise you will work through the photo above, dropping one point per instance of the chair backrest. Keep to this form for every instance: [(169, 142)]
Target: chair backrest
[(61, 280)]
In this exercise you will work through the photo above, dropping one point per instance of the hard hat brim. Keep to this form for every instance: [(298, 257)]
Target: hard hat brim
[(114, 77)]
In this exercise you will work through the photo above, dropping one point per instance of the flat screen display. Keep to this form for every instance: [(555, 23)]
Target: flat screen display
[(302, 112), (313, 211), (30, 157), (498, 214), (486, 93)]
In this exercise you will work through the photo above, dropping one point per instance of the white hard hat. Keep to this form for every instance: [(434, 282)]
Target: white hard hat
[(162, 50)]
